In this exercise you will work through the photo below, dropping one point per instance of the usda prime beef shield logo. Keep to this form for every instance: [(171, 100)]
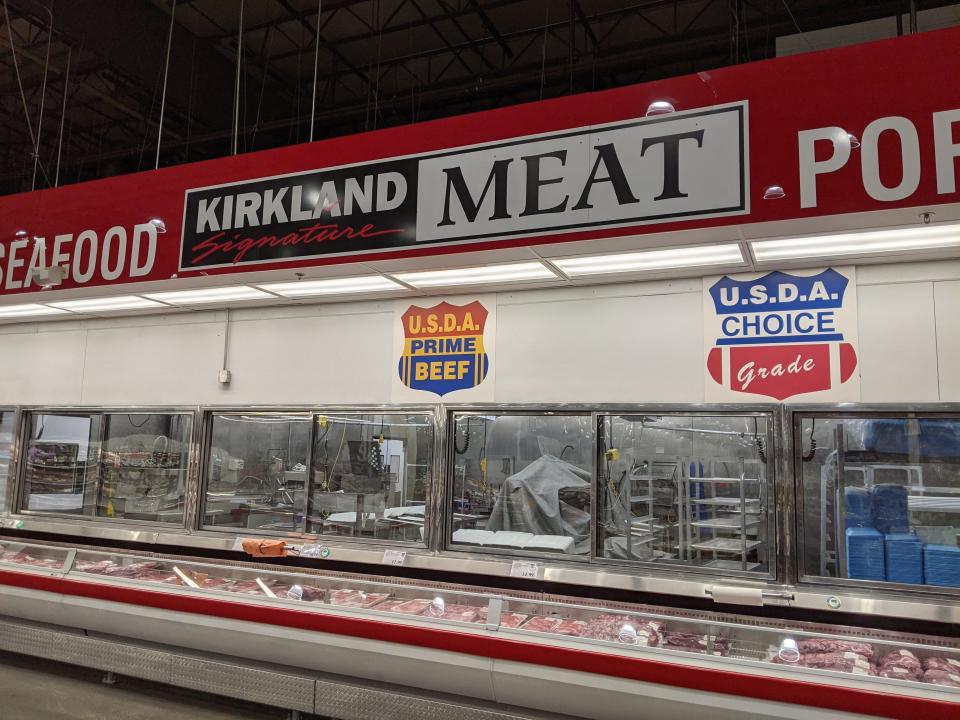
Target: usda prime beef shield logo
[(443, 347), (781, 335)]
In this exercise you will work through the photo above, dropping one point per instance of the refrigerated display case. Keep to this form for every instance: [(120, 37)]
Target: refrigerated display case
[(877, 661)]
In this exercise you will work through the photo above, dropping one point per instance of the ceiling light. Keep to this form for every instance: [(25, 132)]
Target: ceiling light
[(477, 275), (773, 192), (211, 295), (106, 304), (854, 140), (21, 233), (338, 286), (667, 259), (29, 310), (928, 237), (159, 224), (660, 107)]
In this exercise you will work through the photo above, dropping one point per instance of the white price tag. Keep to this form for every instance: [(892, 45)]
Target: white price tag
[(524, 569), (311, 551), (394, 557), (238, 544)]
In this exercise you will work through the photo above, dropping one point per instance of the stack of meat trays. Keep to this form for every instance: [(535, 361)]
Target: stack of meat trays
[(891, 513), (941, 565), (942, 671), (904, 554), (865, 559), (901, 665)]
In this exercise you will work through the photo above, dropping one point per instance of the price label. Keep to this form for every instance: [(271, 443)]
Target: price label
[(394, 557), (312, 551), (524, 569), (238, 544)]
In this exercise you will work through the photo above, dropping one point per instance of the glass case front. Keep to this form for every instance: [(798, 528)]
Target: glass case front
[(685, 489), (880, 497), (121, 465), (257, 471), (7, 419), (348, 474), (521, 483)]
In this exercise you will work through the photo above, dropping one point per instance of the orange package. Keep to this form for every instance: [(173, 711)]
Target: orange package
[(265, 548)]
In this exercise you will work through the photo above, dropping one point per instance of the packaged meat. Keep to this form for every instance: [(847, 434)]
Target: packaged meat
[(404, 607), (130, 571), (900, 663), (622, 628), (460, 613), (542, 623), (839, 662), (507, 619), (573, 628), (311, 594), (942, 677), (824, 645), (695, 642), (158, 576), (245, 587), (94, 567), (356, 598), (941, 663)]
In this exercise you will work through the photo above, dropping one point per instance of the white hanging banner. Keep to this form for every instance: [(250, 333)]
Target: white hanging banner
[(782, 336), (444, 348)]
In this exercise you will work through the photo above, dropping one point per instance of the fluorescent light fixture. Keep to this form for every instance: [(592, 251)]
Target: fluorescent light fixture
[(106, 304), (648, 260), (210, 295), (28, 310), (514, 272), (159, 224), (338, 286), (928, 237)]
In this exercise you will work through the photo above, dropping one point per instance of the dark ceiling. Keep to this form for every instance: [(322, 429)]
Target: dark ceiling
[(96, 105)]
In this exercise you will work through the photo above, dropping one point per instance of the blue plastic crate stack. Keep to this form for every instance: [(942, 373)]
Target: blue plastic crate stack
[(941, 565), (865, 555), (904, 555)]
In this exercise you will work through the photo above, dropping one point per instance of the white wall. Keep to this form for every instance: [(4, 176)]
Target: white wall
[(637, 342)]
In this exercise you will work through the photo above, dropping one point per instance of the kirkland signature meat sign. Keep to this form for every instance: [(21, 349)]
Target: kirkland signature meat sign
[(645, 170)]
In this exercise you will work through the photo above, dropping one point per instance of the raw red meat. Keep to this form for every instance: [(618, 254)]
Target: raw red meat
[(573, 628), (507, 619), (823, 645), (542, 623), (132, 570), (900, 663), (838, 661), (94, 567), (460, 613), (942, 677), (694, 642), (356, 598), (245, 587), (404, 607), (941, 663), (22, 558), (312, 594)]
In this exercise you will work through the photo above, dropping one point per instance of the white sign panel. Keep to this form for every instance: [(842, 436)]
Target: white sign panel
[(782, 336)]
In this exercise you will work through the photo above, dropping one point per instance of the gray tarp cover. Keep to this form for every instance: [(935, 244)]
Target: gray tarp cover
[(534, 496)]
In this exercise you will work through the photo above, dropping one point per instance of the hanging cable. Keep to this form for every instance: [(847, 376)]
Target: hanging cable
[(236, 87), (807, 457), (316, 62), (63, 116), (163, 92)]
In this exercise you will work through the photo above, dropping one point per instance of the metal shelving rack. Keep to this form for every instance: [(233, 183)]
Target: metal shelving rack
[(733, 522)]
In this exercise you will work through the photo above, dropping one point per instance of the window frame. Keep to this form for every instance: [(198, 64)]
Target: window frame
[(595, 411), (312, 412), (22, 440), (793, 447)]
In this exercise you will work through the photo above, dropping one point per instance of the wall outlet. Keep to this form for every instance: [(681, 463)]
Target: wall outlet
[(224, 377)]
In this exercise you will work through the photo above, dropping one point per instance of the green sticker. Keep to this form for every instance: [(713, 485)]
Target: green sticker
[(325, 552), (833, 602), (19, 524)]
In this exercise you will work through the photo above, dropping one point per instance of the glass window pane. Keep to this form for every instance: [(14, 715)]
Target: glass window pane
[(371, 475), (6, 442), (685, 490), (521, 483), (63, 454), (257, 471), (144, 465), (892, 487)]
